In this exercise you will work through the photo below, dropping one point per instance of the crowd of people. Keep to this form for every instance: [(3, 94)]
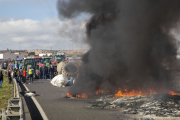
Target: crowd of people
[(17, 74), (20, 75), (46, 71)]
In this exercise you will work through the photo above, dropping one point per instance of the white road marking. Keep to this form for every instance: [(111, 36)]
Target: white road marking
[(38, 106)]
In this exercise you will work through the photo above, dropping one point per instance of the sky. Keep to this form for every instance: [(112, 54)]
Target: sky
[(34, 24)]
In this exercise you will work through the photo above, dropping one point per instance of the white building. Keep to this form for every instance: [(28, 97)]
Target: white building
[(12, 56), (45, 54)]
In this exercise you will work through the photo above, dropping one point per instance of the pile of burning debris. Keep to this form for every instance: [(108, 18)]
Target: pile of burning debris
[(161, 105)]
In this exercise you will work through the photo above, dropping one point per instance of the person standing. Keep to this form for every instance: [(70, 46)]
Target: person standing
[(40, 73), (24, 76), (44, 72), (9, 76), (15, 75), (18, 73), (21, 74), (30, 75), (1, 78), (51, 72)]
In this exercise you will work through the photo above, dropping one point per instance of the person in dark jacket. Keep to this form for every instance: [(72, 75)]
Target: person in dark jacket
[(40, 73), (44, 72), (18, 73), (15, 75), (51, 72), (21, 75), (9, 76), (48, 73), (1, 78)]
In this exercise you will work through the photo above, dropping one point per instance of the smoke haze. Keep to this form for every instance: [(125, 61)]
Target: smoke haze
[(130, 43)]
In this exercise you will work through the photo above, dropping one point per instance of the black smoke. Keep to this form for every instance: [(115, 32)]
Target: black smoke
[(130, 43)]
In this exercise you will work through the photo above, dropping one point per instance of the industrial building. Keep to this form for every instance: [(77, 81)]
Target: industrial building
[(12, 56)]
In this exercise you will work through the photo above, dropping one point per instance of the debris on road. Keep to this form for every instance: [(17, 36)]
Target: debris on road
[(29, 94), (26, 93), (161, 105)]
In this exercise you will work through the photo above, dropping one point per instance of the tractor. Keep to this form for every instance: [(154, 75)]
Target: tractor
[(17, 63), (27, 63), (58, 57), (4, 64), (46, 60)]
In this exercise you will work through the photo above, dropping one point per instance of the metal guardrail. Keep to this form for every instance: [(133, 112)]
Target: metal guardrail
[(14, 110)]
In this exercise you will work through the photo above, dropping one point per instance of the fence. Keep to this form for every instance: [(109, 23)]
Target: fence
[(14, 110)]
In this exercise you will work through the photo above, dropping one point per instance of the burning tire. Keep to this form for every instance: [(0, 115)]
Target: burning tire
[(70, 70)]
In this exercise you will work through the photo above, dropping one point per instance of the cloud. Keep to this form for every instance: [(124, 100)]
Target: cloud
[(44, 34), (18, 39)]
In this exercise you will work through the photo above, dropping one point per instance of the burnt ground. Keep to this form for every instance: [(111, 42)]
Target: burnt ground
[(57, 107)]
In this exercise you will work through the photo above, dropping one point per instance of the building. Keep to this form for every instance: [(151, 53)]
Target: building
[(12, 56)]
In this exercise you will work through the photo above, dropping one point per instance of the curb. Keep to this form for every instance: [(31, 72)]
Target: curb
[(38, 106)]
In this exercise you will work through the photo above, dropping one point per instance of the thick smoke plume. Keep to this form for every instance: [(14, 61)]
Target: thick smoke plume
[(131, 44)]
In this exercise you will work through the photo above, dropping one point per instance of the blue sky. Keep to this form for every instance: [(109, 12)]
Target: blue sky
[(36, 10), (34, 24)]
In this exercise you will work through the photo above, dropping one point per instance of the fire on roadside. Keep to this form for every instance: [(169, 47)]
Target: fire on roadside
[(99, 91), (124, 93), (82, 96), (77, 96), (133, 92), (68, 94)]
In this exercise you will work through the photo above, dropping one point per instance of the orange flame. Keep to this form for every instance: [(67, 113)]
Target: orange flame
[(79, 96), (68, 94), (125, 93), (133, 92), (172, 93), (82, 96), (99, 91)]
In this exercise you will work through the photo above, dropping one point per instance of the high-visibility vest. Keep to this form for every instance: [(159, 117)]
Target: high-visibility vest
[(30, 71)]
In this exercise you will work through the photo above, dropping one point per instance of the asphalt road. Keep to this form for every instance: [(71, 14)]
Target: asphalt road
[(57, 107)]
